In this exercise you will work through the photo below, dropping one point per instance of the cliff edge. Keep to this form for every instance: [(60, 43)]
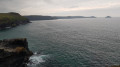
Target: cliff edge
[(14, 52), (8, 20)]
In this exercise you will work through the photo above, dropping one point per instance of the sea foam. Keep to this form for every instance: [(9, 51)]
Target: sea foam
[(36, 59)]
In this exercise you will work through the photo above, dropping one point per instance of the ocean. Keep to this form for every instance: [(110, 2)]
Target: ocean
[(82, 42)]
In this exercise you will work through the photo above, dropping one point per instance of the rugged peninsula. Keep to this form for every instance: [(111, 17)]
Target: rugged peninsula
[(12, 19), (14, 52)]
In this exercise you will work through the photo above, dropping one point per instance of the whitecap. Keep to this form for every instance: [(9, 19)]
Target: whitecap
[(36, 59)]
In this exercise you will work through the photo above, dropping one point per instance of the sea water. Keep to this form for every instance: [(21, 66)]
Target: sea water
[(83, 42)]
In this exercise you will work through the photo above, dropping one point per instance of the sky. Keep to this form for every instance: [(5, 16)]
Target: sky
[(99, 8)]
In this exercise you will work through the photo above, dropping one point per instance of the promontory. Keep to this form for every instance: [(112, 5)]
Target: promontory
[(12, 19), (14, 52)]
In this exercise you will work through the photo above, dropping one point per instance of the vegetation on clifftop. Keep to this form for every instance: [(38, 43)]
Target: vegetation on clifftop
[(11, 20)]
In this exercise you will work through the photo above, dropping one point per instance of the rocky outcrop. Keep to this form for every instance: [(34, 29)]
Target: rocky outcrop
[(108, 17), (14, 52), (9, 20)]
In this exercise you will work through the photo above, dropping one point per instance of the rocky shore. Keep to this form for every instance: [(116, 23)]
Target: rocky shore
[(14, 52), (9, 20)]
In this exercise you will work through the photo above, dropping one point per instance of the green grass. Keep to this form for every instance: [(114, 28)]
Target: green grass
[(9, 19)]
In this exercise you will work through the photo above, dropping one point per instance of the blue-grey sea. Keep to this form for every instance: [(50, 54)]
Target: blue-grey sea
[(82, 42)]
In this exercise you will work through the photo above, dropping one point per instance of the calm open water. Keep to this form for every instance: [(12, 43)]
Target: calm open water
[(86, 42)]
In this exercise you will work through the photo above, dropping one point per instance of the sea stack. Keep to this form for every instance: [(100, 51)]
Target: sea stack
[(14, 52), (108, 17)]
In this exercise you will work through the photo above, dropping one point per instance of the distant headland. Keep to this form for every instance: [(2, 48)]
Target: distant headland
[(12, 19), (40, 17)]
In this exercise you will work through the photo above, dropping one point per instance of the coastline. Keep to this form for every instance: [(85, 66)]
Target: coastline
[(9, 20)]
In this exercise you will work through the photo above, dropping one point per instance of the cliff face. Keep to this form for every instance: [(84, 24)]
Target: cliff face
[(14, 52), (11, 20)]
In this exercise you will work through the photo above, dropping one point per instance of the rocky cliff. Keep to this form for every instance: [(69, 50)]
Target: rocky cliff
[(8, 20), (14, 52)]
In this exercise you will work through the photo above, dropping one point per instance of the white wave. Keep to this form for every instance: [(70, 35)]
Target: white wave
[(36, 59)]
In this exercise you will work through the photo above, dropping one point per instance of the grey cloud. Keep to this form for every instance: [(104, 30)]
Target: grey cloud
[(51, 7), (96, 12), (48, 1), (73, 6)]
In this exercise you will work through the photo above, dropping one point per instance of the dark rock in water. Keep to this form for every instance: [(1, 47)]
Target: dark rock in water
[(108, 17), (14, 52)]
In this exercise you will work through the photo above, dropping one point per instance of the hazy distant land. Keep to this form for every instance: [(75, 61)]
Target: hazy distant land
[(12, 19), (40, 17)]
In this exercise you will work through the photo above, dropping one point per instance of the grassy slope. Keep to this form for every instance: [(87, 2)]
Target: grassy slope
[(9, 19)]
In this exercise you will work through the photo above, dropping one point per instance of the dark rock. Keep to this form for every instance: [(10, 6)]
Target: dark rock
[(14, 52), (108, 17)]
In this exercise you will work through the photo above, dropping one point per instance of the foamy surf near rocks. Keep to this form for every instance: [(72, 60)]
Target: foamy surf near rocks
[(14, 52), (36, 59)]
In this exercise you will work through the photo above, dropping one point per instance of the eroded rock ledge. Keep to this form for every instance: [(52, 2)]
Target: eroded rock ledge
[(14, 52)]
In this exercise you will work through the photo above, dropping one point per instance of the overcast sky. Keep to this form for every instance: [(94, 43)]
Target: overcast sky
[(62, 7)]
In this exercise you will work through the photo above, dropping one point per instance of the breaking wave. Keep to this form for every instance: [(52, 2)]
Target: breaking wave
[(36, 59)]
